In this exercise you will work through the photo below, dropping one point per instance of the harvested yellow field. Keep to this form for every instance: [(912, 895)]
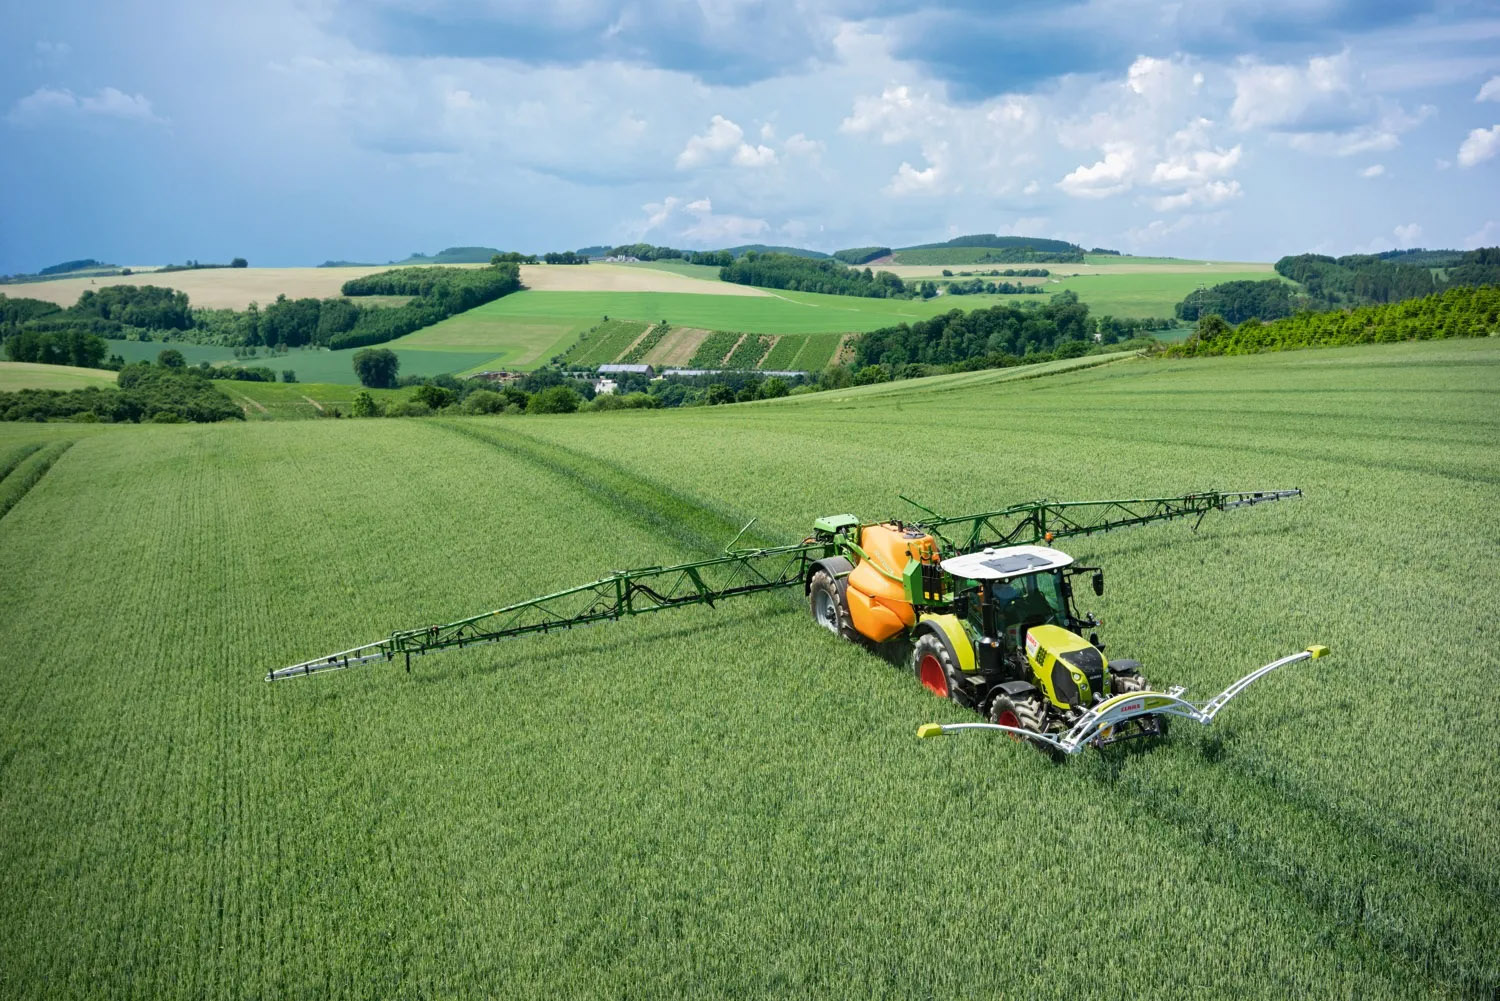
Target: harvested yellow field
[(678, 347), (616, 278), (219, 288), (236, 288)]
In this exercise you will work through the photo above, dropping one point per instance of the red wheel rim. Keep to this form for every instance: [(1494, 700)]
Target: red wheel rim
[(930, 672), (1009, 718)]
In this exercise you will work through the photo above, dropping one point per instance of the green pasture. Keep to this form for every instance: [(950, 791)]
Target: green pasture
[(703, 271), (16, 375), (1143, 294), (730, 802), (282, 400)]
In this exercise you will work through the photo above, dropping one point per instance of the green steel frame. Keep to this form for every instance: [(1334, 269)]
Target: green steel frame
[(752, 571)]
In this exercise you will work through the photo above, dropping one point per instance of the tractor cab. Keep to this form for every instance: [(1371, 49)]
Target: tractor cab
[(1021, 605), (1018, 587)]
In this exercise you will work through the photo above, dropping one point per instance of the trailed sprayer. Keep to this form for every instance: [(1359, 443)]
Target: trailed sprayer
[(982, 604)]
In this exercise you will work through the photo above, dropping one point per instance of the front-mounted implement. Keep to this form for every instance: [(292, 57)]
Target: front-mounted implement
[(983, 604)]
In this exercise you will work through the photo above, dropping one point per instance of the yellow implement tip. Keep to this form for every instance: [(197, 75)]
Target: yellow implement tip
[(930, 730), (1317, 651)]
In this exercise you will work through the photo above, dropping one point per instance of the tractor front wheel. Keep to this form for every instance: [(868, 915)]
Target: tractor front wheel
[(830, 609), (1022, 713), (933, 665)]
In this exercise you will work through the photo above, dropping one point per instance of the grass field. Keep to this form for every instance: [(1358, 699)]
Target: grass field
[(16, 375), (731, 802), (280, 401), (1146, 294)]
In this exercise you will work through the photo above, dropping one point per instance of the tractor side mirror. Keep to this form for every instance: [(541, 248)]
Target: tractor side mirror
[(1098, 582)]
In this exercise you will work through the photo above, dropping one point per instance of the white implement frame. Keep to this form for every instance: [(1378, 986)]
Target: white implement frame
[(1100, 720)]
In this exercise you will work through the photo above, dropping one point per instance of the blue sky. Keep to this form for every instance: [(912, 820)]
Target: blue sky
[(293, 132)]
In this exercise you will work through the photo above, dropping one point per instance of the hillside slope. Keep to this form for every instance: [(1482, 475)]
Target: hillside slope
[(731, 802)]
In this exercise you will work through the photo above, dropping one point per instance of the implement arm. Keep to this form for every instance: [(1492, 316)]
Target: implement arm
[(628, 592), (750, 571), (1043, 521)]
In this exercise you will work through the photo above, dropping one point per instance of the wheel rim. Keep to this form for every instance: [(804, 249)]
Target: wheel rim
[(823, 610), (1008, 717), (930, 672)]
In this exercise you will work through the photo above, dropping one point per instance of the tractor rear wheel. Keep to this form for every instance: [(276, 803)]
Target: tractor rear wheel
[(825, 596), (933, 665), (1022, 713)]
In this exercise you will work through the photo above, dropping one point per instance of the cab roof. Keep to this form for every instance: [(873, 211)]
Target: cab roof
[(1003, 564)]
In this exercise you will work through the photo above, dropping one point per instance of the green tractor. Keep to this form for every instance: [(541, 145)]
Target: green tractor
[(986, 607)]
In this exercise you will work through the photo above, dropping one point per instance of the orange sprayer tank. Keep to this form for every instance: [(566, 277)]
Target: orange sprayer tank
[(877, 600)]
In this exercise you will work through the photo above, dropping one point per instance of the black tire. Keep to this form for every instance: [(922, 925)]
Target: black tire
[(1025, 713), (825, 598), (1124, 684), (932, 663)]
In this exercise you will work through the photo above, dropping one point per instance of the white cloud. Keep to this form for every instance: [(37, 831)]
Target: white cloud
[(1211, 193), (54, 104), (767, 131), (1324, 107), (724, 137), (1290, 97), (753, 156), (1373, 170), (1490, 91), (1408, 234), (52, 51), (696, 222), (1195, 167), (910, 181), (1109, 176), (1487, 235), (1032, 187), (1479, 146), (720, 137), (798, 144)]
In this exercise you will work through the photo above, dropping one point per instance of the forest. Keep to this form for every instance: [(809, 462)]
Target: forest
[(1460, 311), (804, 274)]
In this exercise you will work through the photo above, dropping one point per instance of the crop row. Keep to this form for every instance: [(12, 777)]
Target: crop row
[(23, 469), (606, 342), (645, 344), (751, 349), (715, 346)]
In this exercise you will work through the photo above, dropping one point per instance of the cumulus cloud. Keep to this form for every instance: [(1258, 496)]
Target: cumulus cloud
[(1211, 193), (1110, 176), (910, 181), (1490, 91), (753, 156), (723, 138), (798, 144), (53, 104), (696, 222), (1408, 234), (1487, 235), (1373, 170), (1479, 146), (1323, 106)]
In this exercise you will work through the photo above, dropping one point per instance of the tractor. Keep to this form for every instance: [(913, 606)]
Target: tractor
[(983, 601)]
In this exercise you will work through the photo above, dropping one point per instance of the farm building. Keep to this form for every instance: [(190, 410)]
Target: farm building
[(626, 370)]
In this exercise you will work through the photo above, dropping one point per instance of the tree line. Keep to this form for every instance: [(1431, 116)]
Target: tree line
[(1461, 311), (38, 331), (144, 392), (806, 274), (1329, 283), (957, 336)]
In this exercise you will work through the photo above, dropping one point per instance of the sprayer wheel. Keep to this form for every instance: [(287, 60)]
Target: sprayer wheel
[(830, 609)]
